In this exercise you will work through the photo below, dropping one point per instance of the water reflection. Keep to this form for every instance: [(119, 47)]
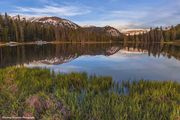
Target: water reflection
[(51, 53), (121, 61)]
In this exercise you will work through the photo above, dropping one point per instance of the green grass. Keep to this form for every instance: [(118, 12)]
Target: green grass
[(45, 95)]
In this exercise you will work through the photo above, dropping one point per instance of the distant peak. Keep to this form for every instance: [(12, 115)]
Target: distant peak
[(86, 26), (49, 20)]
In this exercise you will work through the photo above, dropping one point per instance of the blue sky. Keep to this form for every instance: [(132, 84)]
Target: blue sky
[(117, 13)]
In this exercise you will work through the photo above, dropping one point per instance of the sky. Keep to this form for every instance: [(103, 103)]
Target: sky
[(117, 13)]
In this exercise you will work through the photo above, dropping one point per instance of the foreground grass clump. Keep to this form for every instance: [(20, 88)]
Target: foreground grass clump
[(45, 95)]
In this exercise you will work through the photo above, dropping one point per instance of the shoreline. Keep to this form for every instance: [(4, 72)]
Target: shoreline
[(61, 42), (53, 42)]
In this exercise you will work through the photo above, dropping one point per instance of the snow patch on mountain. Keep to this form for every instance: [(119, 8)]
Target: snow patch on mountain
[(49, 20), (57, 21)]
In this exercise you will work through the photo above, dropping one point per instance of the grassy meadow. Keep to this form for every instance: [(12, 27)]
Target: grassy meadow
[(45, 95)]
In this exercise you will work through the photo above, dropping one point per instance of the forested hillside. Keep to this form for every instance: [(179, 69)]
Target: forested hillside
[(21, 30), (157, 35)]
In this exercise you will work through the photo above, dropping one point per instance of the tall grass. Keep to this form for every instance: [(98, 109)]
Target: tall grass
[(45, 95)]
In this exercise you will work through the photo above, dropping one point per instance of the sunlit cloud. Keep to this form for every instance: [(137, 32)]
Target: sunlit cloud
[(144, 17), (128, 14), (53, 10), (117, 13)]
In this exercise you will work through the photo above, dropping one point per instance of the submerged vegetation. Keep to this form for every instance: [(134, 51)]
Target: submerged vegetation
[(45, 95)]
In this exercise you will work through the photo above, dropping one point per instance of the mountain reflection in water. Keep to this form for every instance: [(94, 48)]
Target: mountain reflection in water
[(121, 61)]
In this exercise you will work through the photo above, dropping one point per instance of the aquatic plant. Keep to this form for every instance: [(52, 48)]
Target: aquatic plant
[(45, 95)]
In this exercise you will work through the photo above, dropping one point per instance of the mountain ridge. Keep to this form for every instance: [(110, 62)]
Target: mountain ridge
[(65, 23)]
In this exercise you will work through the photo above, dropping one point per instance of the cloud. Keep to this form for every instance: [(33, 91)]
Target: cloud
[(53, 10), (44, 1), (166, 14), (126, 15), (121, 19), (117, 23)]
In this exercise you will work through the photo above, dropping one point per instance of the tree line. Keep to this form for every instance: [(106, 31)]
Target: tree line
[(156, 35), (22, 30)]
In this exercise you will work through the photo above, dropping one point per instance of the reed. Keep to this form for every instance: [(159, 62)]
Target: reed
[(43, 94)]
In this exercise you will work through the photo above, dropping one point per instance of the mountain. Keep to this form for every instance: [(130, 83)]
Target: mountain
[(112, 31), (64, 23), (134, 31), (50, 20), (34, 29), (104, 30), (57, 21)]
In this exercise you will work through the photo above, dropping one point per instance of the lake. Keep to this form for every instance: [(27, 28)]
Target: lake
[(121, 61)]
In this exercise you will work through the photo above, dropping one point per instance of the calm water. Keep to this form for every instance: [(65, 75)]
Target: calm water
[(121, 61)]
